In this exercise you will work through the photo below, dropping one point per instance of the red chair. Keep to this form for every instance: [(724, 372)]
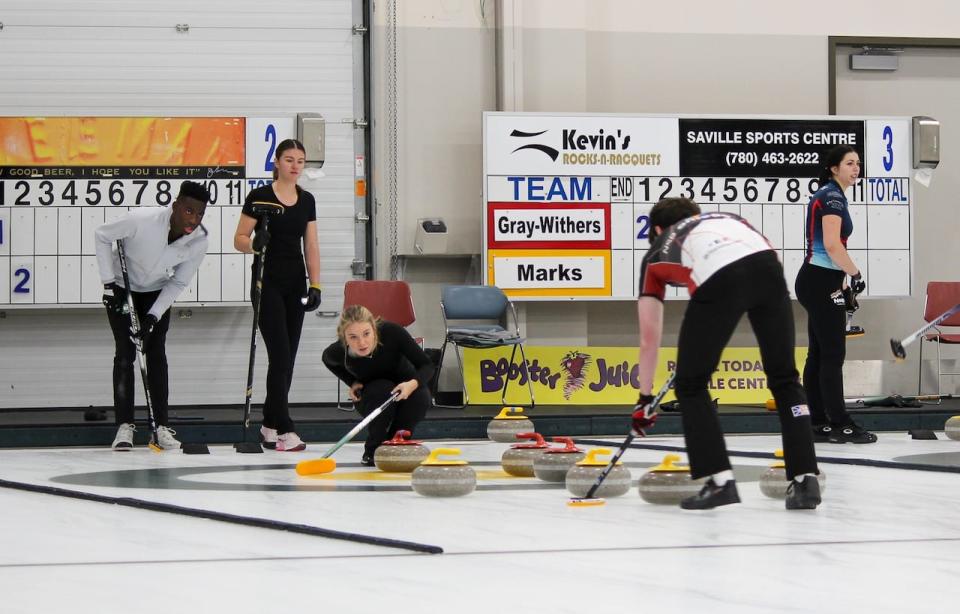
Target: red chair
[(388, 300), (941, 296)]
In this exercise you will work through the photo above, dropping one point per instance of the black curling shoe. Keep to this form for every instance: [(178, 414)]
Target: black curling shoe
[(851, 433), (803, 495), (711, 496), (367, 460)]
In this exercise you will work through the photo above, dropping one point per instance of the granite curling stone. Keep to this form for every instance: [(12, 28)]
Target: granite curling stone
[(773, 482), (553, 463), (518, 460), (506, 425), (952, 427), (444, 478), (400, 454), (583, 475), (668, 483)]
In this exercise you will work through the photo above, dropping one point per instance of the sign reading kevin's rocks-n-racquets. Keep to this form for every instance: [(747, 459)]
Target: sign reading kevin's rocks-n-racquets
[(567, 197)]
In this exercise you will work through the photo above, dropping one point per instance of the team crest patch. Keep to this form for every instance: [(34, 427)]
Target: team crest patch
[(800, 410)]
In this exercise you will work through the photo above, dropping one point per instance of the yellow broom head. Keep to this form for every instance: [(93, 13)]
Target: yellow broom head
[(316, 466), (584, 502)]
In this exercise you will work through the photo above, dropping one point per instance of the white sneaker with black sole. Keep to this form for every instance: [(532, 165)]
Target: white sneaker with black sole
[(166, 439), (123, 442), (268, 437)]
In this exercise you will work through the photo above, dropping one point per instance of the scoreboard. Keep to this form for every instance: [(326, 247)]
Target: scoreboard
[(567, 197), (61, 177)]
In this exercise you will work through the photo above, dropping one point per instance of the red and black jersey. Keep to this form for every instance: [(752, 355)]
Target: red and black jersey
[(693, 249)]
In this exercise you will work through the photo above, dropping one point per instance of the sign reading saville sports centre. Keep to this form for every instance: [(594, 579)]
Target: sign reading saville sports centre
[(603, 375)]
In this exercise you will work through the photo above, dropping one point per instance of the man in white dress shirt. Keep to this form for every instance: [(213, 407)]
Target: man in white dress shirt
[(164, 247)]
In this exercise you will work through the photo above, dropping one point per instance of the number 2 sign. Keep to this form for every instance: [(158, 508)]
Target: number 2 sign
[(263, 136)]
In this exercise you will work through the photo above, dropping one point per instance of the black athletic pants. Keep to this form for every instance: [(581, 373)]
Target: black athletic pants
[(402, 415), (753, 285), (826, 328), (125, 357), (281, 322)]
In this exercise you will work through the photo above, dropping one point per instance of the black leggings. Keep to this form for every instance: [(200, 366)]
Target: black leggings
[(125, 356), (281, 322), (826, 328), (753, 285), (403, 415)]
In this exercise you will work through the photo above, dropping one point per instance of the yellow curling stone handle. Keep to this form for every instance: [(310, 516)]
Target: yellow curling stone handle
[(668, 464), (510, 413), (434, 460), (591, 459), (778, 464)]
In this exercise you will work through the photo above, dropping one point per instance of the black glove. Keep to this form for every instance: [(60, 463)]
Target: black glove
[(851, 299), (146, 329), (115, 298), (642, 417), (260, 240), (857, 283), (313, 298)]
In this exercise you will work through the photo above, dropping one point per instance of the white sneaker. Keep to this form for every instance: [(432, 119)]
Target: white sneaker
[(166, 439), (289, 442), (268, 437), (123, 442)]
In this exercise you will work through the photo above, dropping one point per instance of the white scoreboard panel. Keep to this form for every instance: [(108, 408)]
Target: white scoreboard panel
[(567, 198), (52, 197)]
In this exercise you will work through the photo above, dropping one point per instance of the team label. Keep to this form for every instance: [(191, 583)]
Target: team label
[(550, 225), (550, 272)]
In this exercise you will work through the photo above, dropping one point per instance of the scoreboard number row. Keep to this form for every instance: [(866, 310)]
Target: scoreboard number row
[(115, 192), (772, 190)]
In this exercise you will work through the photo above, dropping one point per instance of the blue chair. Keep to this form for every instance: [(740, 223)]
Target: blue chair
[(472, 303)]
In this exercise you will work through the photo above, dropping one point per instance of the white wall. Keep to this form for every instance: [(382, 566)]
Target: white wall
[(238, 58), (924, 18)]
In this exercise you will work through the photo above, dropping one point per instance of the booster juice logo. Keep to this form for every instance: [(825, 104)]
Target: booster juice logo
[(574, 365)]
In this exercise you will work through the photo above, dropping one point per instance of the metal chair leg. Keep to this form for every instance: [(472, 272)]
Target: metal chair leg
[(443, 352), (506, 384), (939, 371), (526, 367), (340, 405), (920, 371), (463, 376)]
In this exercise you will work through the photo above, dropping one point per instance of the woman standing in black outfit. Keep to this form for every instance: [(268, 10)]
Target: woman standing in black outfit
[(820, 289), (376, 359), (284, 282)]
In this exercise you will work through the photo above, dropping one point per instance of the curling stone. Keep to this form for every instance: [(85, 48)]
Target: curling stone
[(518, 460), (773, 481), (668, 483), (553, 463), (508, 424), (444, 478), (583, 475), (953, 427), (400, 454)]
